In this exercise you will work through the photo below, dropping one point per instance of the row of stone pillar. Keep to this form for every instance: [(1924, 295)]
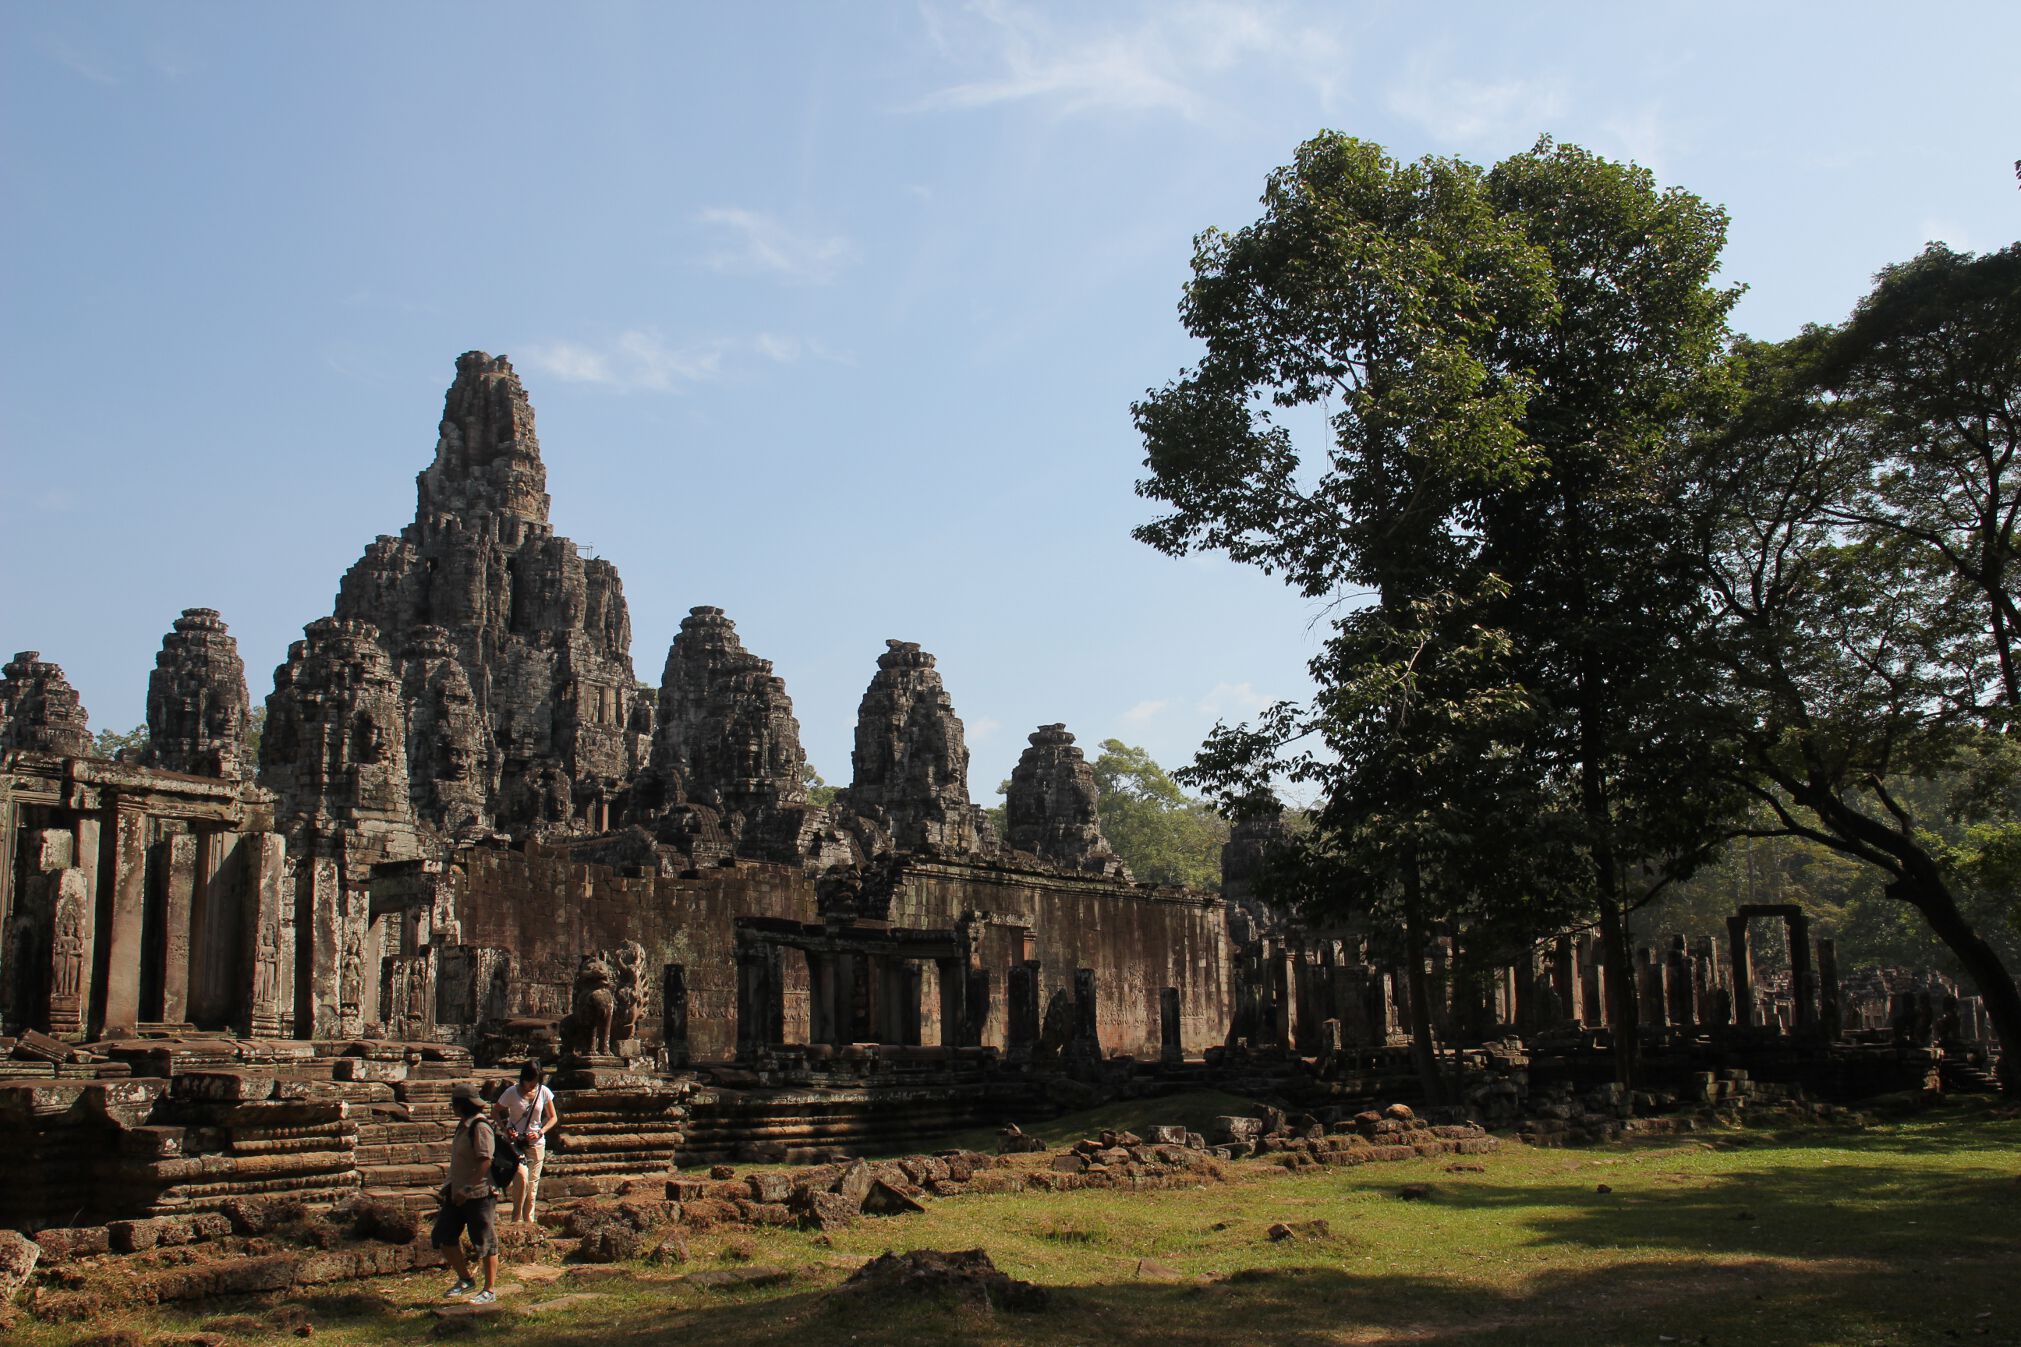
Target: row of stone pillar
[(856, 997), (115, 925)]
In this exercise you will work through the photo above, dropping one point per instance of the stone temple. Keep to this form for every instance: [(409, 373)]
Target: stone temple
[(469, 833)]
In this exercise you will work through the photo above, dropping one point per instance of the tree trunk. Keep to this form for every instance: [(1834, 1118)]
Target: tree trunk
[(1925, 890), (1918, 882), (1423, 1047), (1615, 954), (1622, 1005)]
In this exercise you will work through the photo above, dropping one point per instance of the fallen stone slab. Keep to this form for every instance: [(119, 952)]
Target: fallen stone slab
[(885, 1199)]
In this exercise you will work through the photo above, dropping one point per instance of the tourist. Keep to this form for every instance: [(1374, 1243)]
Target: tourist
[(527, 1112), (469, 1198)]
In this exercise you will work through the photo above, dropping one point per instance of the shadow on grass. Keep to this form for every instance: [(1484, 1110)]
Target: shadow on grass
[(1752, 1302)]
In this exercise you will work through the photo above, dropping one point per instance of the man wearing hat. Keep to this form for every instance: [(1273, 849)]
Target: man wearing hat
[(468, 1199)]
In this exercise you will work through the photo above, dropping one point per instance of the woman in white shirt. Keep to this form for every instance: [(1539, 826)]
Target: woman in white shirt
[(526, 1111)]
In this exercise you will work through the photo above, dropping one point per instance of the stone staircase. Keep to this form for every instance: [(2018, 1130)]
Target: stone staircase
[(403, 1144), (1961, 1076), (618, 1128)]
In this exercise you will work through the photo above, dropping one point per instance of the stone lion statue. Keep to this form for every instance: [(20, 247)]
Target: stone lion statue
[(587, 1028), (629, 991)]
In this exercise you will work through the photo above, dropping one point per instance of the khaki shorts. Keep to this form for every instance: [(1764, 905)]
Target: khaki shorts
[(478, 1216)]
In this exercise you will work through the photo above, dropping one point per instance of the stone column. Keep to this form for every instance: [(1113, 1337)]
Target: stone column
[(1599, 1013), (1743, 971), (1649, 988), (1831, 1016), (70, 958), (1087, 1044), (10, 972), (1565, 979), (750, 998), (267, 967), (674, 1012), (1705, 981), (761, 1008), (319, 934), (1679, 973), (1021, 1005), (952, 977), (1171, 1045), (905, 986), (976, 1004), (125, 924), (822, 1025), (1802, 980), (178, 910)]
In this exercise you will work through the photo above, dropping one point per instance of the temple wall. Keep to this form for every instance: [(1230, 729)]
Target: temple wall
[(545, 909), (1138, 940)]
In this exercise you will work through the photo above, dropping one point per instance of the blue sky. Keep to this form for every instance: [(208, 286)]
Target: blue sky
[(831, 314)]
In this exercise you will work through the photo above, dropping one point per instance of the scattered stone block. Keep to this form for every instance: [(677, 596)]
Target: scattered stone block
[(18, 1256)]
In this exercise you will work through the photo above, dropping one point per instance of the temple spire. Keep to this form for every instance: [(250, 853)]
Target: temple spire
[(487, 459)]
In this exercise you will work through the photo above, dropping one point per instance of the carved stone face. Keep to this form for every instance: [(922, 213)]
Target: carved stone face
[(368, 741)]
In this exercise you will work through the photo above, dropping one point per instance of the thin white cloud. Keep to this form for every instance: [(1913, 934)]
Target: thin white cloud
[(983, 730), (635, 361), (1936, 230), (640, 360), (761, 244), (781, 350), (81, 63), (1236, 700), (1159, 62), (1643, 136), (1145, 711), (1458, 111)]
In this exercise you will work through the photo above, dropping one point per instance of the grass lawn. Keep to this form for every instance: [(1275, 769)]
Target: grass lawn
[(1907, 1232)]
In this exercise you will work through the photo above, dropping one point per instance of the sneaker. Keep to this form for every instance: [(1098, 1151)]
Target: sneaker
[(483, 1298), (458, 1291)]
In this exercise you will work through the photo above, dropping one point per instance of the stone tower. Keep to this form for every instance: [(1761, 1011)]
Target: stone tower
[(1050, 809), (910, 785), (725, 730), (335, 745), (447, 744), (40, 711), (197, 707), (539, 633)]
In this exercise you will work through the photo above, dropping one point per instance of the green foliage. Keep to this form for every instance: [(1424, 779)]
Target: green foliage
[(1164, 835), (1504, 359), (111, 743), (1858, 513), (819, 793)]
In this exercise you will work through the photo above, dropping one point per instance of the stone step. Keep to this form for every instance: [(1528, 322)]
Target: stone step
[(402, 1176)]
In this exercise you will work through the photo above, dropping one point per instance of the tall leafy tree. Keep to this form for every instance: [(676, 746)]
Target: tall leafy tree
[(1859, 527), (1927, 377), (1604, 603), (1503, 359), (1163, 834), (111, 743)]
